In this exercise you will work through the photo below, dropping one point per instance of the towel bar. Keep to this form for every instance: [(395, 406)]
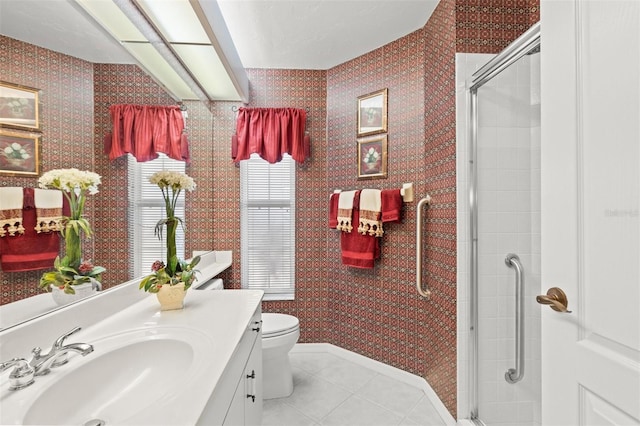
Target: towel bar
[(422, 291), (406, 191)]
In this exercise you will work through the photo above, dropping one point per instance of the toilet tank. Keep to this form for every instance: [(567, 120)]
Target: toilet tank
[(212, 284)]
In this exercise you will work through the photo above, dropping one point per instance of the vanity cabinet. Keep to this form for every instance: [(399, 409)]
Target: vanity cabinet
[(237, 398)]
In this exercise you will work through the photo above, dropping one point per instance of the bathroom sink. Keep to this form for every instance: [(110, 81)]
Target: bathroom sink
[(148, 367), (124, 376)]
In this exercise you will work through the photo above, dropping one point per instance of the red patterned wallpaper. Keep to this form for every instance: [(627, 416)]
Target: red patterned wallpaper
[(376, 312), (296, 89), (113, 84), (66, 116), (128, 84), (439, 349), (488, 26)]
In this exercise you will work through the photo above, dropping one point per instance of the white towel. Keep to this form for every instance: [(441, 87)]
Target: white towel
[(11, 202), (345, 210), (48, 209), (370, 213)]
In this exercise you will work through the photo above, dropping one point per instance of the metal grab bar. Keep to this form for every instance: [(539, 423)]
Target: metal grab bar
[(424, 292), (514, 375)]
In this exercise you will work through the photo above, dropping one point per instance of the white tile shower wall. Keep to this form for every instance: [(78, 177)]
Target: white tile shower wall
[(509, 209)]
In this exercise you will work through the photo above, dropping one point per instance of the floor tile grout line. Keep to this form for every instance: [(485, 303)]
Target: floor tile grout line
[(313, 419), (401, 415), (413, 407), (322, 361), (352, 392), (375, 374), (357, 394), (335, 408)]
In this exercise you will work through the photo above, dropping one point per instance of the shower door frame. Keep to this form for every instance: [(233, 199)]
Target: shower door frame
[(526, 43)]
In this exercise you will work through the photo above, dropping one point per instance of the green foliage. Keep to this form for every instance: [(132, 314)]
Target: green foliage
[(65, 277), (175, 270), (77, 224), (185, 273)]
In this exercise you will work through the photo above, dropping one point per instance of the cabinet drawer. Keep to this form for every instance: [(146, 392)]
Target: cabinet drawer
[(231, 386)]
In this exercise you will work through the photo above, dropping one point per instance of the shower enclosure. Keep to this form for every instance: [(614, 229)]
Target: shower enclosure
[(498, 109)]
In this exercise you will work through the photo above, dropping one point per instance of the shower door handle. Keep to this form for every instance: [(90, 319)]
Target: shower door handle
[(556, 298), (514, 375)]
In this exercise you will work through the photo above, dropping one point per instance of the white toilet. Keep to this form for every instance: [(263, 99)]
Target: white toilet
[(279, 333)]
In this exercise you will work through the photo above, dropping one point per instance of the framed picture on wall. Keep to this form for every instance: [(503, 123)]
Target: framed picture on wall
[(372, 157), (19, 107), (19, 153), (372, 113)]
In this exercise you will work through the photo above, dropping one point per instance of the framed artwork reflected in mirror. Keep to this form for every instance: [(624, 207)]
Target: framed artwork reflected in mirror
[(19, 153), (19, 107), (372, 113)]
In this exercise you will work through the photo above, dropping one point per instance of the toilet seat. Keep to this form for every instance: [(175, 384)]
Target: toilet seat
[(274, 325)]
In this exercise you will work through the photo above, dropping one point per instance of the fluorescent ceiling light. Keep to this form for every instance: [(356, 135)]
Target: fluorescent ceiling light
[(176, 20), (188, 60), (148, 56), (203, 62)]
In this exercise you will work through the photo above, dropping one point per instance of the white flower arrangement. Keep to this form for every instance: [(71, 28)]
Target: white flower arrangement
[(16, 151), (174, 180), (72, 269), (69, 180), (176, 270)]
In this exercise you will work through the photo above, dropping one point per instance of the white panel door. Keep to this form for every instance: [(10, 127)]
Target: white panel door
[(590, 67)]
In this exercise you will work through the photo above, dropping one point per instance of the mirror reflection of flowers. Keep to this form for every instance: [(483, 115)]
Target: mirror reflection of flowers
[(373, 117), (16, 107), (16, 151), (175, 270), (72, 269)]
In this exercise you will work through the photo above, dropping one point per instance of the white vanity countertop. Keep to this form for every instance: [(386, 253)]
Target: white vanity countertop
[(219, 317), (211, 264)]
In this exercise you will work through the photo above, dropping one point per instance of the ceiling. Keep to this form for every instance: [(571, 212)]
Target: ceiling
[(226, 36)]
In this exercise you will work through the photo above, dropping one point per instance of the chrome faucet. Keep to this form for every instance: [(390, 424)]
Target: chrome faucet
[(57, 355), (22, 374)]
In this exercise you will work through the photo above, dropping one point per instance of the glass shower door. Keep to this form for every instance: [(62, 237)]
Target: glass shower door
[(507, 170)]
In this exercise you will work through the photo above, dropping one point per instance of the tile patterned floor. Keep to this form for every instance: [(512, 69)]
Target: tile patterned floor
[(330, 390)]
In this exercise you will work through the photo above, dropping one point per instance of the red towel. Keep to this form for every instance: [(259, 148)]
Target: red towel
[(358, 251), (391, 201), (30, 251), (333, 210)]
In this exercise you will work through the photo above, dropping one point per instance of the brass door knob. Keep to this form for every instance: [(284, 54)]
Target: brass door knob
[(556, 299)]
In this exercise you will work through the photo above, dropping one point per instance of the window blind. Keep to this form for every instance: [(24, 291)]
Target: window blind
[(146, 208), (267, 210)]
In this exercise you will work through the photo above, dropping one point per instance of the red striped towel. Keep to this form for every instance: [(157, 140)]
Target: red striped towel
[(346, 204), (11, 220), (358, 251), (391, 201), (370, 217), (31, 250), (333, 210)]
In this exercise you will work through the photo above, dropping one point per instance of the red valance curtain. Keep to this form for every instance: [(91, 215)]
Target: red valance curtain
[(271, 132), (146, 130)]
